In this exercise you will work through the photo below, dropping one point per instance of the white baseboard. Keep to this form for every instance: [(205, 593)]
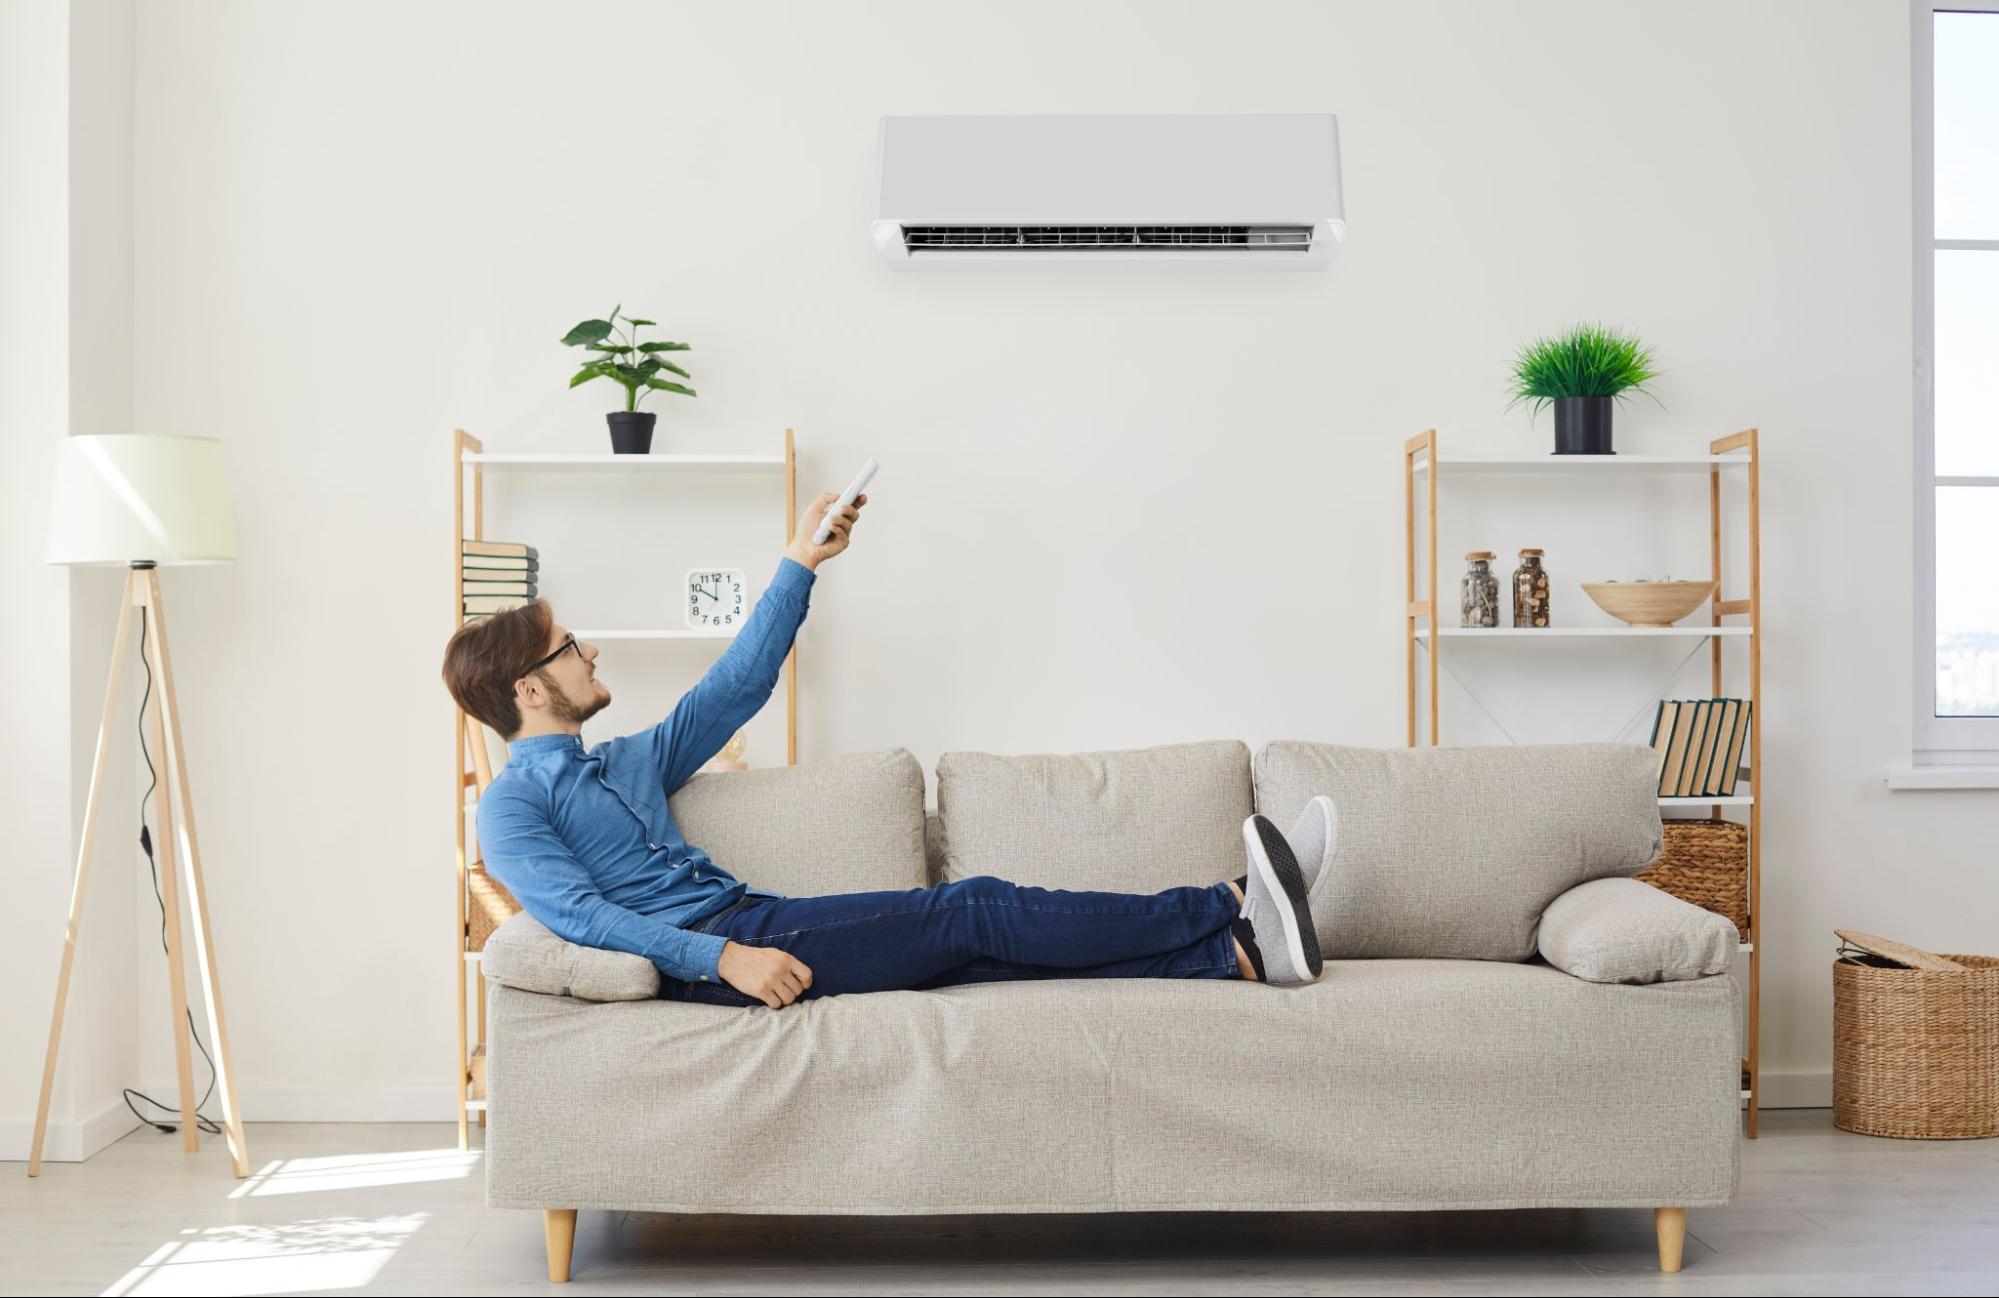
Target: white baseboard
[(1796, 1090), (67, 1142), (334, 1103)]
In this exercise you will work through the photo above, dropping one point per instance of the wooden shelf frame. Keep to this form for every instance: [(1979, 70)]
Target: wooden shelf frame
[(472, 765), (1424, 629)]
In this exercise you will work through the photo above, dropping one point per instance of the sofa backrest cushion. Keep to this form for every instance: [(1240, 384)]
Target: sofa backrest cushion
[(1141, 820), (852, 823), (523, 953), (1455, 852)]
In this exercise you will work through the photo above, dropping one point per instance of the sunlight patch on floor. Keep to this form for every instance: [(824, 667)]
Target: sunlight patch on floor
[(291, 1257), (357, 1171)]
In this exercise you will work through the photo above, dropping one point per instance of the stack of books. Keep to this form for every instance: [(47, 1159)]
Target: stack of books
[(1700, 743), (499, 575)]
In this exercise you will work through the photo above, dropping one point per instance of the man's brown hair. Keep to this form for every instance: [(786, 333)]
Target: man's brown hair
[(488, 654)]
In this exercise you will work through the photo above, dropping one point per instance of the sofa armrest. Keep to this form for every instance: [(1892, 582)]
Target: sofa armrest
[(1624, 931), (523, 953)]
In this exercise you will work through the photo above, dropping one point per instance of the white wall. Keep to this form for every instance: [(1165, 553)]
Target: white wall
[(65, 367), (1115, 509)]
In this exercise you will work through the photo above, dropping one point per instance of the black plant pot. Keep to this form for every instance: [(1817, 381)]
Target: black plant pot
[(1582, 426), (631, 431)]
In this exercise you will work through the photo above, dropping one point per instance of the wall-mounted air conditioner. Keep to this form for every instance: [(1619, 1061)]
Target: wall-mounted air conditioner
[(1257, 192)]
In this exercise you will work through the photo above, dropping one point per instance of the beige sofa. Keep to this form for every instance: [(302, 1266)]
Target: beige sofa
[(1440, 1063)]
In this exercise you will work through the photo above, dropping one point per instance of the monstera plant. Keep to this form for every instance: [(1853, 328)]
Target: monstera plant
[(634, 366)]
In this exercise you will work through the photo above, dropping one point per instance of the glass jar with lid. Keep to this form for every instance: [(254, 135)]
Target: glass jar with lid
[(1530, 591), (1479, 603)]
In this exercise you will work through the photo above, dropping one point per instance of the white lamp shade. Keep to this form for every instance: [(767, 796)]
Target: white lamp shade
[(134, 496)]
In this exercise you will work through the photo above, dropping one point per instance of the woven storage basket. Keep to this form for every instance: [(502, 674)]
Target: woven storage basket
[(1915, 1052), (487, 906), (1706, 862)]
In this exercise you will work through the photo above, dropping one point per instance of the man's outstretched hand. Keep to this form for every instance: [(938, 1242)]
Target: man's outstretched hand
[(801, 547), (766, 973)]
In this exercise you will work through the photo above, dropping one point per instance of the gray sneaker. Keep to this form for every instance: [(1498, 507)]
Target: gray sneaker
[(1314, 839), (1275, 910)]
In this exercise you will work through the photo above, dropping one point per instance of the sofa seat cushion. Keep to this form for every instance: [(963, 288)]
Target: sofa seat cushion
[(1455, 852), (851, 823), (1387, 1084), (1142, 820)]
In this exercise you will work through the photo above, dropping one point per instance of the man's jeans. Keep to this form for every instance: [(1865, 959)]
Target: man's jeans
[(978, 930)]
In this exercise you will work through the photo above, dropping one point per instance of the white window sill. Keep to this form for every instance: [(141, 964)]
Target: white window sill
[(1943, 777)]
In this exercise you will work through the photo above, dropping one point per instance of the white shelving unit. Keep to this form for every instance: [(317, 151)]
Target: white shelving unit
[(472, 768), (1425, 632), (1564, 632)]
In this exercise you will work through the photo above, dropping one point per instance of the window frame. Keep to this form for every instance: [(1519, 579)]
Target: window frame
[(1937, 740)]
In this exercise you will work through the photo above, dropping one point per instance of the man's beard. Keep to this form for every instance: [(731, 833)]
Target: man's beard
[(568, 712)]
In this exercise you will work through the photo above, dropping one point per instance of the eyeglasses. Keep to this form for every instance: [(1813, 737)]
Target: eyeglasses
[(568, 643)]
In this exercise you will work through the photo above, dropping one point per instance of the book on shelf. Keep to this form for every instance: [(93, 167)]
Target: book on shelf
[(1700, 745), (500, 550), (513, 584), (495, 565)]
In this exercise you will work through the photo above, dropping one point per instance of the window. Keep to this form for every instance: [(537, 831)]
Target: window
[(1956, 113)]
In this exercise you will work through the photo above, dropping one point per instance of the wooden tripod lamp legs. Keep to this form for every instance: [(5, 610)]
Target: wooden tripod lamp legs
[(172, 800)]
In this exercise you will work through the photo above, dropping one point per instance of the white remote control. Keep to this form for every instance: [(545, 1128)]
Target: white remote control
[(854, 488)]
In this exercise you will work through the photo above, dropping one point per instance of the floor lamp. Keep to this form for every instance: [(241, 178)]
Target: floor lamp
[(138, 501)]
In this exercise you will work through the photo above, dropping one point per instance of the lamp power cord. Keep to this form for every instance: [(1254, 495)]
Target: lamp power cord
[(201, 1120)]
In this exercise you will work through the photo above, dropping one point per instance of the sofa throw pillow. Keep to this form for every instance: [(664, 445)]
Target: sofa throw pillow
[(1141, 820), (1455, 852), (523, 953), (1624, 931), (852, 823)]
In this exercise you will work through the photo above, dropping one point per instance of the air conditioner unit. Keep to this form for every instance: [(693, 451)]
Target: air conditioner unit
[(1257, 192)]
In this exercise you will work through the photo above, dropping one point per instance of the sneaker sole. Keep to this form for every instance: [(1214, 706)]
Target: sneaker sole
[(1275, 861)]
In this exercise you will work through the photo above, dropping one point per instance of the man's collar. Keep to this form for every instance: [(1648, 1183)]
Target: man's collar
[(545, 744)]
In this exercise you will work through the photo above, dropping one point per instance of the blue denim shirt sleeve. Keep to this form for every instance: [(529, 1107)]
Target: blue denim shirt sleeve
[(737, 686), (524, 852)]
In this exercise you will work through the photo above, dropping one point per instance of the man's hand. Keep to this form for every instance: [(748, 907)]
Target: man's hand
[(801, 548), (766, 973)]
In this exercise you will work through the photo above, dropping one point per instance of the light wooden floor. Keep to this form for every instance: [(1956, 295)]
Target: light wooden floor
[(397, 1209)]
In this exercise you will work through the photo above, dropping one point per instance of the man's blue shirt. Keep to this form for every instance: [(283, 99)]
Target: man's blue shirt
[(584, 839)]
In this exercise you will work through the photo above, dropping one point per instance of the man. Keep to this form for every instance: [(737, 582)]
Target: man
[(584, 839)]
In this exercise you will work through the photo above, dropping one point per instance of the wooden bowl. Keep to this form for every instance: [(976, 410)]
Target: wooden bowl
[(1649, 603)]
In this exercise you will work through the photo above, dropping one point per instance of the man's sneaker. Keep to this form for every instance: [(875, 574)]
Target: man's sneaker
[(1283, 946), (1313, 841)]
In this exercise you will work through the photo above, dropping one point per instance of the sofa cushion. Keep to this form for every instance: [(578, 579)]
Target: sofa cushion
[(852, 823), (1455, 852), (1624, 931), (523, 953), (1141, 820), (1387, 1084)]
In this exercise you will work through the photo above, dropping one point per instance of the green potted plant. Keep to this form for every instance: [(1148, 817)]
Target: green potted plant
[(1580, 373), (633, 366)]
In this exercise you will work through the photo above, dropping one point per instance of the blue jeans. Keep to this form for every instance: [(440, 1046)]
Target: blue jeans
[(978, 930)]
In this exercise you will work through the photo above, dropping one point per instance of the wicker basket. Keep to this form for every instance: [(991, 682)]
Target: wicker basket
[(1706, 862), (1915, 1052), (487, 906)]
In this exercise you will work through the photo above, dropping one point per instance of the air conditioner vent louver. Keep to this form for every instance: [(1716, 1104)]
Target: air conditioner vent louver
[(1108, 238)]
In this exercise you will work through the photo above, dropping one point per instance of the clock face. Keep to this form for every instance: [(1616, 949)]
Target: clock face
[(715, 598)]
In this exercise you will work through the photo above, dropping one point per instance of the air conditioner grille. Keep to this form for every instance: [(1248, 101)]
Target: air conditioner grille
[(1107, 238)]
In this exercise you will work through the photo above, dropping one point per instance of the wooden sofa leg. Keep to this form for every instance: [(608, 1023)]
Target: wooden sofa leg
[(559, 1224), (1670, 1222)]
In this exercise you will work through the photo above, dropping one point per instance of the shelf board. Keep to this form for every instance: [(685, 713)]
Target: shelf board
[(530, 462), (1555, 632), (667, 633), (1586, 464), (1732, 800)]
